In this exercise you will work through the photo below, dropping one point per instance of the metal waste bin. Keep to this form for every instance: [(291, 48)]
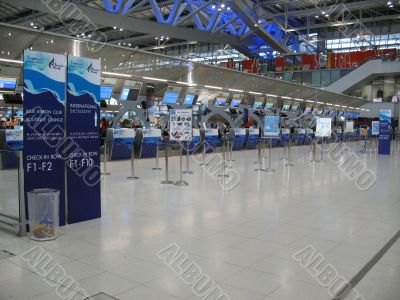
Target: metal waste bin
[(43, 209)]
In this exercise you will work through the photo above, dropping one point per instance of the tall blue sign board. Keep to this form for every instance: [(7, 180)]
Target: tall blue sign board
[(44, 98), (385, 131), (83, 150)]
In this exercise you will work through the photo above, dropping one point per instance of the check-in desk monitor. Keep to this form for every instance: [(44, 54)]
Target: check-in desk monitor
[(269, 106), (220, 102), (308, 110), (257, 105), (8, 85), (129, 94), (106, 92), (170, 97), (286, 107), (294, 108), (235, 103), (190, 99)]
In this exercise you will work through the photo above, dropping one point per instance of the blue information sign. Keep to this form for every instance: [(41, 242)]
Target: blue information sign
[(271, 126), (83, 149), (44, 97), (385, 131)]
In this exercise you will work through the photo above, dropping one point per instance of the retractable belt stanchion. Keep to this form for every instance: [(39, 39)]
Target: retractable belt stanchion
[(322, 150), (105, 158), (270, 169), (157, 167), (314, 146), (203, 163), (289, 160), (181, 182), (132, 177), (166, 181), (259, 153), (187, 171), (260, 157), (21, 196), (223, 165)]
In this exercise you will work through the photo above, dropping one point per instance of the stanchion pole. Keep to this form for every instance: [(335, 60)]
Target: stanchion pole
[(166, 181), (187, 171), (270, 169), (260, 157), (223, 165), (105, 158), (181, 182), (322, 150), (132, 177), (157, 167), (204, 154), (21, 196), (289, 160), (259, 153)]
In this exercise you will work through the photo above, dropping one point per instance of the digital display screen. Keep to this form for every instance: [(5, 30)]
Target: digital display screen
[(315, 110), (326, 112), (235, 103), (220, 102), (189, 98), (257, 105), (106, 92), (308, 110), (170, 97), (7, 85), (294, 108), (269, 106), (129, 94), (20, 113), (286, 107)]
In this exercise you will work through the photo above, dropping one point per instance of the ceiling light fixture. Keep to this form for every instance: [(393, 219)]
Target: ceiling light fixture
[(116, 74), (186, 83), (14, 61), (235, 90), (154, 79), (213, 87)]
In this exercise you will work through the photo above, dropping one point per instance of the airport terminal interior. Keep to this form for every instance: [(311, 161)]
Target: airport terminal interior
[(199, 149)]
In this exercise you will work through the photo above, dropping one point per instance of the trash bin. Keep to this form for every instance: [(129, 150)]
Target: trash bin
[(43, 208)]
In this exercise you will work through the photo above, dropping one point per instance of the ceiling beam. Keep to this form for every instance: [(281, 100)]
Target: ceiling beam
[(104, 18)]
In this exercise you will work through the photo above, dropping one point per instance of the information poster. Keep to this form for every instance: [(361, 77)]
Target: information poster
[(271, 126), (180, 125), (44, 100), (349, 126), (324, 127), (385, 132), (83, 149), (375, 127)]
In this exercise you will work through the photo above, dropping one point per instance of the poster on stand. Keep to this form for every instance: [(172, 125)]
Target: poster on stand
[(271, 126), (181, 125), (385, 131), (324, 127), (375, 127), (349, 126), (44, 131), (83, 164)]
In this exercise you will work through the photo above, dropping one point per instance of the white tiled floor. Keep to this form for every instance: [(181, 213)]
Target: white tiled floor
[(243, 239)]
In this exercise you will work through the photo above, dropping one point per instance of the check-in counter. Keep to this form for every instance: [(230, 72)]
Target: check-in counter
[(11, 141), (309, 136), (253, 138), (119, 142), (239, 139), (299, 136), (151, 138), (211, 139)]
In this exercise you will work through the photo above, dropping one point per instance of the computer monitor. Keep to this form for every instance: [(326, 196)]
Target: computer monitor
[(326, 112), (286, 107), (308, 110), (235, 103), (220, 102), (257, 105), (8, 85), (294, 108), (190, 99), (129, 94), (269, 106), (170, 97), (106, 92), (13, 98)]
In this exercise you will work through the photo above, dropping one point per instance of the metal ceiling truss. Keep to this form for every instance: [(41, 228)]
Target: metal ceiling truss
[(236, 18)]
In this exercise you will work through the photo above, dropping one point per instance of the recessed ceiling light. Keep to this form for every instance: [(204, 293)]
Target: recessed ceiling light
[(115, 27)]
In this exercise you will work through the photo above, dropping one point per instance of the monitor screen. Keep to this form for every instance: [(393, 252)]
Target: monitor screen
[(129, 94), (308, 110), (7, 85), (13, 99), (315, 110), (170, 97), (235, 103), (269, 106), (189, 99), (257, 105), (294, 108), (286, 107), (220, 102), (106, 92), (326, 112)]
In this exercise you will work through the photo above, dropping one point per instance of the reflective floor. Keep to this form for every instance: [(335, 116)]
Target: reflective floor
[(243, 239)]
